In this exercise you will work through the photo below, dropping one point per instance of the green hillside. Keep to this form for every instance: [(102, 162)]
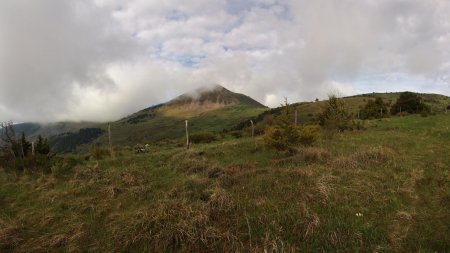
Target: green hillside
[(385, 189), (207, 110), (212, 110), (307, 111)]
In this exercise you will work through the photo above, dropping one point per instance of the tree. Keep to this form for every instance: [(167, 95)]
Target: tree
[(409, 102), (335, 115), (10, 144), (374, 109), (42, 146), (284, 135), (24, 145)]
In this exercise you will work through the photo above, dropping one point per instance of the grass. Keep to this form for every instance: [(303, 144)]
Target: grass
[(385, 189)]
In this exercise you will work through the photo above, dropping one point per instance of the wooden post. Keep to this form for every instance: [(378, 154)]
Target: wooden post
[(32, 148), (253, 128), (187, 135), (381, 112), (111, 151), (400, 110), (21, 149), (358, 114), (295, 116)]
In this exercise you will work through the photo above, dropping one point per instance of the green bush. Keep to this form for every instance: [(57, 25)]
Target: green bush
[(374, 109), (284, 135), (205, 137), (308, 135), (409, 102), (335, 115)]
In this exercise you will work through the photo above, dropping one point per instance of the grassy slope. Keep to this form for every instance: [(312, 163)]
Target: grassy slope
[(234, 195), (168, 123), (307, 111)]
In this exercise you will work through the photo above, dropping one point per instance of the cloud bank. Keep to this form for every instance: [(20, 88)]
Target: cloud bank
[(101, 60)]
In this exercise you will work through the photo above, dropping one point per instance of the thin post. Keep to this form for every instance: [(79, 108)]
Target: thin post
[(111, 152), (21, 149), (400, 110), (32, 148), (253, 128), (187, 135), (381, 112), (295, 116), (358, 114)]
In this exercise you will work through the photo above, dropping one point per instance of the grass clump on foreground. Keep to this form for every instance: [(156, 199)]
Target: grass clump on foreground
[(383, 189)]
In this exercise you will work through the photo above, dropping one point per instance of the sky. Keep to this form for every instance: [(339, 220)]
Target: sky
[(100, 60)]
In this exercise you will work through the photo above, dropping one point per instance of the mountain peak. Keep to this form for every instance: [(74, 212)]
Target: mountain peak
[(213, 95)]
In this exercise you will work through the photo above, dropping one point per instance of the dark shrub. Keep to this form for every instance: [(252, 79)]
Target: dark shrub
[(236, 134), (374, 109), (205, 137), (409, 102)]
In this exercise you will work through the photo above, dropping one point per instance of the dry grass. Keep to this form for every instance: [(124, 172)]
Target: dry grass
[(186, 227), (363, 158), (313, 154)]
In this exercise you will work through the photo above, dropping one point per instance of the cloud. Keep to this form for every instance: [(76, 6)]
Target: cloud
[(101, 60), (48, 46)]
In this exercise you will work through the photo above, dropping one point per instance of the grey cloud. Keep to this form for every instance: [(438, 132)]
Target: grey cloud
[(48, 46)]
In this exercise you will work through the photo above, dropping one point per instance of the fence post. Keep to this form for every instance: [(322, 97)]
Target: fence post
[(253, 128), (187, 135), (295, 116), (111, 151)]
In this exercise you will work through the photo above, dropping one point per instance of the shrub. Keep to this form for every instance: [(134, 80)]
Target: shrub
[(335, 115), (284, 135), (358, 125), (374, 109), (205, 137), (236, 134), (409, 102), (308, 135)]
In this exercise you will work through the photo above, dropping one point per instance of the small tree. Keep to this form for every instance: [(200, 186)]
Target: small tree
[(42, 146), (335, 115), (24, 145), (374, 109), (283, 135), (409, 102), (10, 144)]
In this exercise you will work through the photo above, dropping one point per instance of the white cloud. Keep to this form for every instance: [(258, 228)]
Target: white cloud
[(104, 59)]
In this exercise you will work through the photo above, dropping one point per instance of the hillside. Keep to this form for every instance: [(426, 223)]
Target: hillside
[(385, 189), (213, 109), (32, 130), (207, 109), (307, 111)]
